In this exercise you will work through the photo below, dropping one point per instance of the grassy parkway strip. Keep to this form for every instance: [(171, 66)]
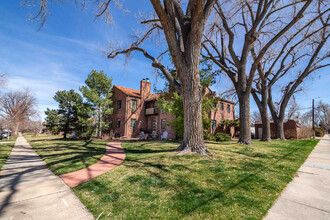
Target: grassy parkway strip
[(5, 149), (113, 156)]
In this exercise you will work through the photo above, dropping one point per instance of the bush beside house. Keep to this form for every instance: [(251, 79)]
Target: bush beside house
[(319, 132), (217, 137)]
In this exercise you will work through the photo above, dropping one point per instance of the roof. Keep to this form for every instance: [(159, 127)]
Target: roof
[(128, 91), (208, 90), (152, 97)]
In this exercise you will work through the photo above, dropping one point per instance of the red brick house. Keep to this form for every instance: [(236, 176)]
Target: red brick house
[(135, 111), (291, 130)]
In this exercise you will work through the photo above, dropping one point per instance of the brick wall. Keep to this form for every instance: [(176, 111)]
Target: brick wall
[(291, 130), (118, 113), (221, 114), (168, 118), (143, 122)]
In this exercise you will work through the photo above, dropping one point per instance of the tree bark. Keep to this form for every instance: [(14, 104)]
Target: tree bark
[(244, 119), (66, 130), (279, 124), (67, 125), (265, 127), (277, 118), (263, 109), (16, 128), (193, 140)]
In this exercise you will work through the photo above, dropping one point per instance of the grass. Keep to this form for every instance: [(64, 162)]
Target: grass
[(237, 182), (5, 150), (65, 155), (10, 139)]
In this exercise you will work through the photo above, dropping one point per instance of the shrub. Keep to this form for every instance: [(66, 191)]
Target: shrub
[(211, 137), (217, 137), (305, 133), (319, 132), (222, 137)]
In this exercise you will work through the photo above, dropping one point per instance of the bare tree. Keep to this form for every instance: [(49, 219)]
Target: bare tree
[(256, 117), (16, 108), (181, 25), (321, 114), (293, 110), (240, 40), (2, 81), (183, 33), (34, 126), (301, 55)]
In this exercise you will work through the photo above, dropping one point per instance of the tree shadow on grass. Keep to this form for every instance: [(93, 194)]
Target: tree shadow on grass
[(189, 196), (202, 197), (40, 140), (62, 152)]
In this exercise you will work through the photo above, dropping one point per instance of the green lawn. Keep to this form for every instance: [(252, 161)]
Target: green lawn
[(237, 182), (7, 140), (65, 155), (5, 150)]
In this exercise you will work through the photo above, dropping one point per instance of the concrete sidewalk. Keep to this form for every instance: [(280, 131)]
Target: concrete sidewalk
[(29, 190), (308, 195)]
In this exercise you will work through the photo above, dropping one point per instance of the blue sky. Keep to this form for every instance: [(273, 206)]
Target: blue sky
[(70, 45)]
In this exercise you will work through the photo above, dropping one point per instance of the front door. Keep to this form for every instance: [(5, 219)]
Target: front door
[(154, 125)]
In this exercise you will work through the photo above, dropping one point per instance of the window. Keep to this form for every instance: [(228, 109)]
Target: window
[(228, 108), (118, 104), (214, 105), (134, 104), (221, 106), (118, 123), (163, 124), (133, 124), (214, 125)]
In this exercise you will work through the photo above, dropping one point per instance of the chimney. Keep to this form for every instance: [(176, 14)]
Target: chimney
[(145, 88)]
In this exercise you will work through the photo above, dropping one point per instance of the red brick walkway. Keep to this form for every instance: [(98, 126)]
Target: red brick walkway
[(113, 156)]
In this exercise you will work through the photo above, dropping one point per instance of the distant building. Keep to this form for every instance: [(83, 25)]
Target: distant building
[(136, 111), (291, 130)]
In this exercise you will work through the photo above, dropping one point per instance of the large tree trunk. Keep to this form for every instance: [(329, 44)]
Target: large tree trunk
[(278, 117), (66, 130), (265, 126), (67, 125), (263, 109), (244, 119), (279, 125), (264, 113), (193, 140), (16, 128)]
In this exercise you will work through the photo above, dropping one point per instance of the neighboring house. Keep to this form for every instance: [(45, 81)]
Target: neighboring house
[(291, 130), (136, 111)]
